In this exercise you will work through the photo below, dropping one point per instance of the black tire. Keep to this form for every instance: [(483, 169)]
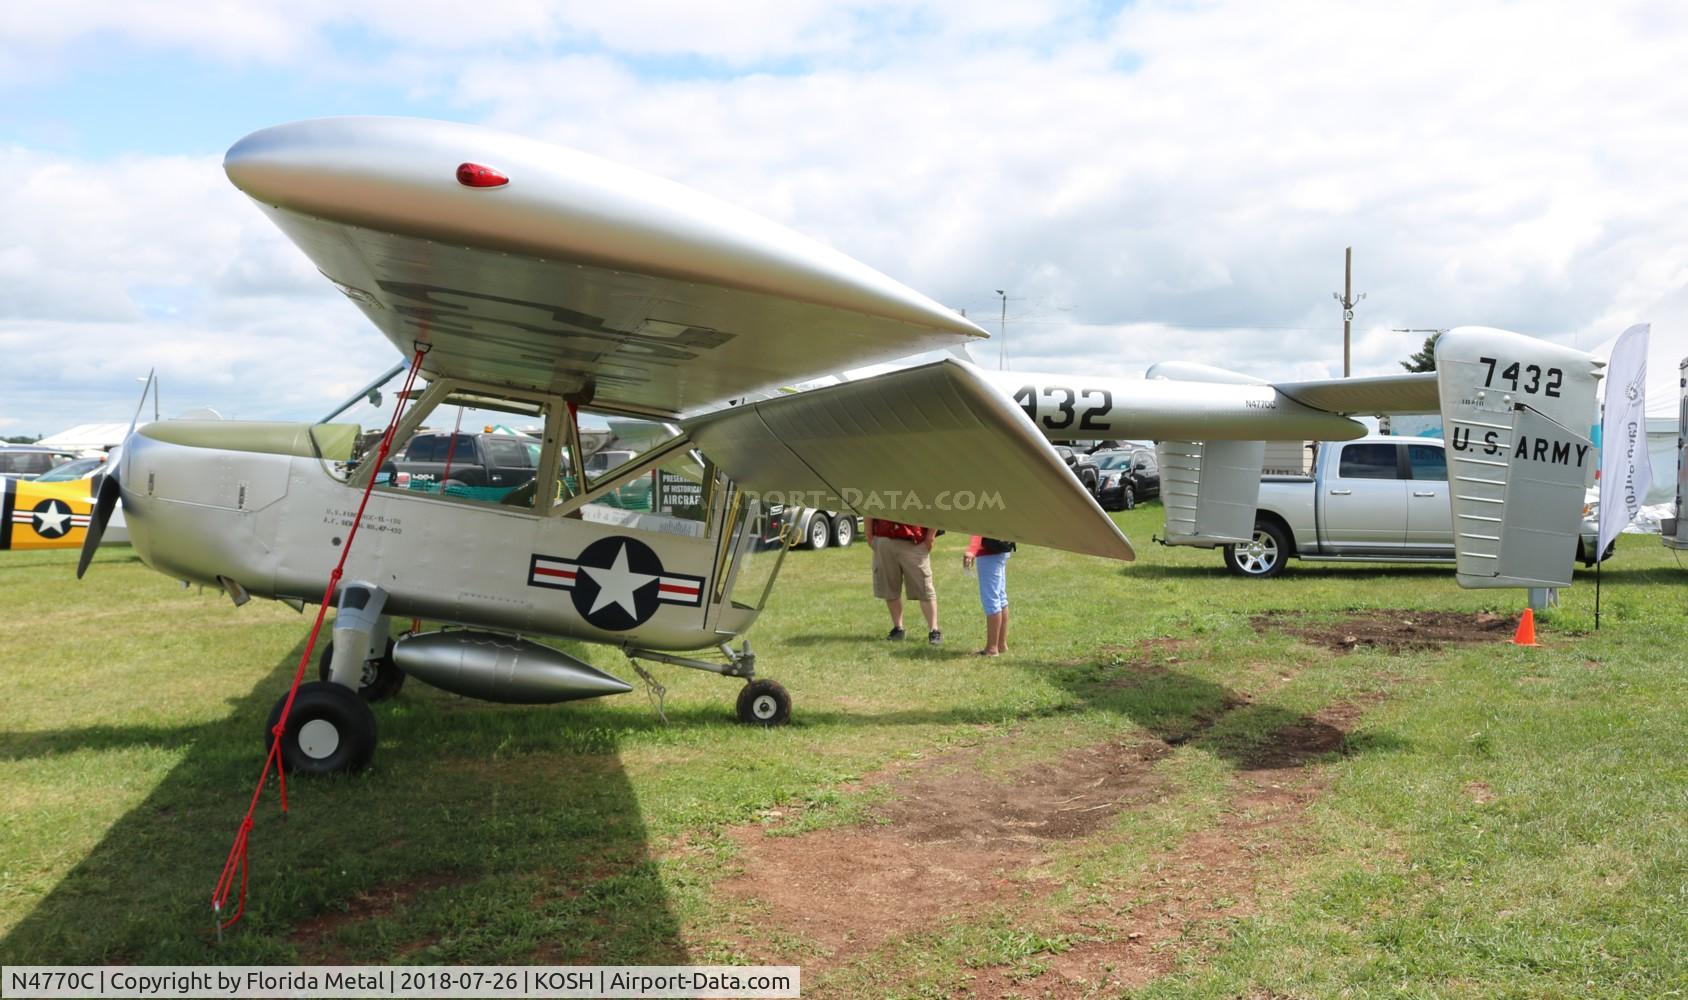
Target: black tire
[(330, 730), (1092, 483), (1128, 496), (819, 533), (1263, 558), (381, 679), (844, 530), (764, 703)]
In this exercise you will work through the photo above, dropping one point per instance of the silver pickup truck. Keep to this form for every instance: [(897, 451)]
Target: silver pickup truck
[(1377, 499)]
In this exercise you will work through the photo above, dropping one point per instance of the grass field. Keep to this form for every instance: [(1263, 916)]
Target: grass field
[(1178, 783)]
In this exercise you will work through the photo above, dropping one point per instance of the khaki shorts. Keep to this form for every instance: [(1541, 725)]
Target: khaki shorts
[(902, 565)]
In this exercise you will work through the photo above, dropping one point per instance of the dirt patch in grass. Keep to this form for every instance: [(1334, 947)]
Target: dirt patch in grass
[(315, 937), (1394, 631), (1214, 874), (951, 843)]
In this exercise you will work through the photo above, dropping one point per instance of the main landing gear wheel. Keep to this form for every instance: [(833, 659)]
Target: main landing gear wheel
[(764, 703), (381, 678), (330, 730)]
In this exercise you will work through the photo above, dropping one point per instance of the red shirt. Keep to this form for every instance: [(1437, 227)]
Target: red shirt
[(897, 529)]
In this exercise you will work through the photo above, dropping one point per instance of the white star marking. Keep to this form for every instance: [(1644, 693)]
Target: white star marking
[(52, 519), (617, 584)]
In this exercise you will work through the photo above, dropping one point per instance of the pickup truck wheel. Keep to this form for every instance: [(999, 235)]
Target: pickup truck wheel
[(1263, 557)]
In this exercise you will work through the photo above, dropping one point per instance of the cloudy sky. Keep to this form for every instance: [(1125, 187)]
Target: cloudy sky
[(1148, 181)]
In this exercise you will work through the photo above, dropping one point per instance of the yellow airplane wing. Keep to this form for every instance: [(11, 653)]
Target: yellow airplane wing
[(44, 515)]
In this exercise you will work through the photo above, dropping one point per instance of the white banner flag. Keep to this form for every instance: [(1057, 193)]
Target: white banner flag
[(1625, 472)]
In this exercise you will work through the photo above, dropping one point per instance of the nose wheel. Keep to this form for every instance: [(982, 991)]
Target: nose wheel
[(764, 703)]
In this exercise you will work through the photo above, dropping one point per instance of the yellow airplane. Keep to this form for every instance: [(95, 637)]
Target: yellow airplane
[(44, 515)]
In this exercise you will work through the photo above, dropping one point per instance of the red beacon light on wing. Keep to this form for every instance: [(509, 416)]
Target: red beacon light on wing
[(477, 176)]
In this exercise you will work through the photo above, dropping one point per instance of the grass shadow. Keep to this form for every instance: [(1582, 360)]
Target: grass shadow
[(447, 851)]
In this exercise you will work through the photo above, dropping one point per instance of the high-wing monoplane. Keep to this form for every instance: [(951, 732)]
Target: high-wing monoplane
[(535, 291)]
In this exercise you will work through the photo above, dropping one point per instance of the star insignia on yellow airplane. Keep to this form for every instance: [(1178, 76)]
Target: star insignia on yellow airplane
[(52, 518)]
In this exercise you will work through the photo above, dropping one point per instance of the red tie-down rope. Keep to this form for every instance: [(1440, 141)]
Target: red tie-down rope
[(237, 860)]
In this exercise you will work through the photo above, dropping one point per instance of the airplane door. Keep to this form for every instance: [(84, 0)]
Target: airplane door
[(1363, 504)]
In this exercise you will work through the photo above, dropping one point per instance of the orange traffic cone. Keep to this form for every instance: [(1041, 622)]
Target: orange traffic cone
[(1526, 634)]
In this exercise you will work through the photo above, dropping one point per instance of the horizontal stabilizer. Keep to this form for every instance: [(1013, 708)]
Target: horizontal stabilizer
[(1513, 408), (934, 445), (1209, 490), (1408, 393)]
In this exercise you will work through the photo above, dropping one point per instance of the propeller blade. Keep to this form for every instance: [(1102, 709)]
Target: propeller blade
[(104, 503), (109, 491)]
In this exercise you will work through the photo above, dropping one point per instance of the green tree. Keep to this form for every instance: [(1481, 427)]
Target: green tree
[(1424, 359)]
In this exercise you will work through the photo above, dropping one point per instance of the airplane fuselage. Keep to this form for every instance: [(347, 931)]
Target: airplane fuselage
[(274, 524)]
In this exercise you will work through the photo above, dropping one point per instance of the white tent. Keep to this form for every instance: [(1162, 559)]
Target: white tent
[(1667, 346), (87, 437)]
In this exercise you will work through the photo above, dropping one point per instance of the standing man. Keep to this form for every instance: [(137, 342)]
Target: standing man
[(902, 563)]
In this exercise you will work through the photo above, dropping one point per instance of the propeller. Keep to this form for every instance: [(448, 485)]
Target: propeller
[(110, 489)]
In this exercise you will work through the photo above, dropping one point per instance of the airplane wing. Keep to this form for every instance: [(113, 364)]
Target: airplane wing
[(1405, 393), (934, 445), (543, 268)]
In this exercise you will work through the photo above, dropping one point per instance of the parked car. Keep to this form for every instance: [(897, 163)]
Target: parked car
[(81, 468), (26, 461), (1127, 477), (1082, 468), (474, 464), (1376, 499)]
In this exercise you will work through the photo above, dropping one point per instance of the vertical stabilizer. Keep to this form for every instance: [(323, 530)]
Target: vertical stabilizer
[(1516, 411)]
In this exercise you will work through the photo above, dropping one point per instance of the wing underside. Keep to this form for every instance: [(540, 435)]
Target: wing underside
[(576, 276), (933, 445)]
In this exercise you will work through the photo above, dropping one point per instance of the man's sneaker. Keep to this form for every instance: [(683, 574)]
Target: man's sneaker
[(935, 637), (895, 635)]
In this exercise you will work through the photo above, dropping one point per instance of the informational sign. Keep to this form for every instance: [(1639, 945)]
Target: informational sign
[(678, 496)]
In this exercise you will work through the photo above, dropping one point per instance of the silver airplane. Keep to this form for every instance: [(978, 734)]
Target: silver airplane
[(547, 302)]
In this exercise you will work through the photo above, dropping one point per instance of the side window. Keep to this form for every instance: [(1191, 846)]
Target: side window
[(425, 448), (473, 447), (1428, 461), (509, 453), (1371, 460), (673, 497)]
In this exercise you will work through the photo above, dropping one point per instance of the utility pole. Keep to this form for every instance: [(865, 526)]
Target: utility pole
[(1348, 303)]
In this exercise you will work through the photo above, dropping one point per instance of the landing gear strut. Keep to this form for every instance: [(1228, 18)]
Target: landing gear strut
[(761, 703), (381, 677)]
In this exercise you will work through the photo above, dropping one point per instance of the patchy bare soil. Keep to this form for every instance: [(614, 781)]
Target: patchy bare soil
[(1389, 630), (1216, 873), (951, 841), (954, 843)]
